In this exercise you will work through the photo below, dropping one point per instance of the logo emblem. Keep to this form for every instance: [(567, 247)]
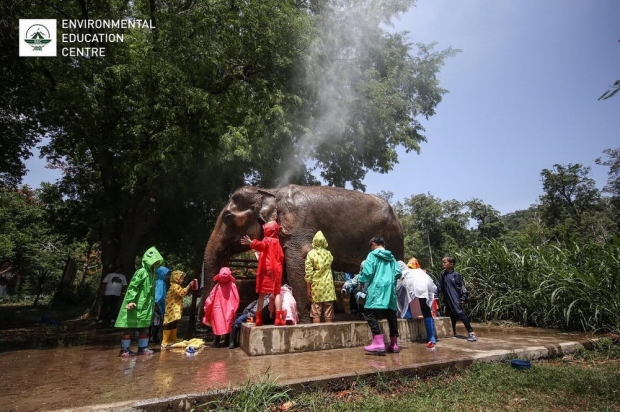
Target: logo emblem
[(37, 38)]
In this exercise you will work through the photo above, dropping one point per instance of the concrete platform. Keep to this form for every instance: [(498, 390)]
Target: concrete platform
[(92, 378), (275, 340)]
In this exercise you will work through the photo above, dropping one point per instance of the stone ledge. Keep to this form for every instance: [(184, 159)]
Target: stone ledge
[(272, 340)]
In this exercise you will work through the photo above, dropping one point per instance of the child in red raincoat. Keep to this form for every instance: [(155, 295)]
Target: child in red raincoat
[(269, 271), (221, 307)]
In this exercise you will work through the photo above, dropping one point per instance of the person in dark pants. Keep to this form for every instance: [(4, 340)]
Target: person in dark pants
[(115, 286), (250, 310), (380, 273), (454, 295)]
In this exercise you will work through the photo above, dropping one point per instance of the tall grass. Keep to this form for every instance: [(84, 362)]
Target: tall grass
[(575, 287)]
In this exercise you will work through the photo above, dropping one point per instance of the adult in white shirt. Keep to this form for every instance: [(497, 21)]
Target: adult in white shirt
[(6, 273), (115, 286)]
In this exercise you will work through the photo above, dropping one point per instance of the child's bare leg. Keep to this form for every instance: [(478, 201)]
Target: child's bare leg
[(278, 301)]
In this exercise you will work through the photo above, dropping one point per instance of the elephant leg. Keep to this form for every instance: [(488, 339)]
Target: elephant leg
[(295, 273)]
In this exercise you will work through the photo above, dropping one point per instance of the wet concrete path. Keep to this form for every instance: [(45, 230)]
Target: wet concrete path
[(92, 377)]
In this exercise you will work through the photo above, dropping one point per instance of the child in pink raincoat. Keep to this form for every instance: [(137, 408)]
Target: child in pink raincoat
[(221, 307)]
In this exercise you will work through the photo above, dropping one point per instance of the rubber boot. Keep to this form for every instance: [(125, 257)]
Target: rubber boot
[(226, 339), (165, 342), (393, 346), (279, 321), (173, 336), (259, 318), (233, 338), (429, 324), (377, 345), (216, 341)]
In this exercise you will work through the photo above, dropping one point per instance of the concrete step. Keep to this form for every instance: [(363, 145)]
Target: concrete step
[(272, 340)]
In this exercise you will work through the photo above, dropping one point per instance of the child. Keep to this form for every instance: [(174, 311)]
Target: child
[(221, 307), (356, 292), (380, 273), (289, 305), (250, 310), (174, 307), (138, 306), (455, 295), (415, 292), (320, 280), (269, 271), (161, 289)]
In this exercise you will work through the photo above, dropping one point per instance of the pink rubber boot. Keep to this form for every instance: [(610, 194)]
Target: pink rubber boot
[(377, 345), (393, 346)]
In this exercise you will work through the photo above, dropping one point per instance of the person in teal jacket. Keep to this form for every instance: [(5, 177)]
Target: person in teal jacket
[(138, 306), (380, 273)]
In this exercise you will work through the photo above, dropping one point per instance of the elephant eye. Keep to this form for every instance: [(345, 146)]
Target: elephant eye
[(228, 216)]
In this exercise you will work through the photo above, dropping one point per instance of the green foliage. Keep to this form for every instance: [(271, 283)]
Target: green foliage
[(260, 395), (38, 252), (600, 349), (153, 138), (612, 91), (574, 287), (549, 386), (571, 203)]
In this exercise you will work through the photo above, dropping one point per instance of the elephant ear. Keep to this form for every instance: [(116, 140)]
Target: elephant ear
[(268, 210)]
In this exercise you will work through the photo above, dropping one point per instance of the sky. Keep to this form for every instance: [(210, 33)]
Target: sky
[(522, 97)]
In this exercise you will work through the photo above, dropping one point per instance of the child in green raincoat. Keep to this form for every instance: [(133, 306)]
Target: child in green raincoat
[(320, 280), (137, 308)]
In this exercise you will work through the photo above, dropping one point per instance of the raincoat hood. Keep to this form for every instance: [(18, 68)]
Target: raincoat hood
[(177, 277), (161, 272), (319, 240), (402, 265), (271, 229), (224, 276), (150, 257), (413, 263), (383, 254)]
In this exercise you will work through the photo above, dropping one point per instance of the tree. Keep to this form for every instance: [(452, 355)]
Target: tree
[(22, 99), (613, 176), (613, 183), (570, 199), (154, 137), (421, 217), (26, 240), (490, 226)]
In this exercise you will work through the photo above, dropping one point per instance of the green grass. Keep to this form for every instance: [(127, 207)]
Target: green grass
[(576, 287), (253, 396), (587, 380)]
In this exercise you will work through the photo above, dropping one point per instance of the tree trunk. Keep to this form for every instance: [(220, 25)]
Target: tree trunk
[(64, 286), (121, 241)]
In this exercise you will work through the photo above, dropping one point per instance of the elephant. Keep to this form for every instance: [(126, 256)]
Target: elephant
[(347, 218)]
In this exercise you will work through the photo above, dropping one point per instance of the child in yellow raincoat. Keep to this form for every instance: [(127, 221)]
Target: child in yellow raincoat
[(174, 307), (320, 280)]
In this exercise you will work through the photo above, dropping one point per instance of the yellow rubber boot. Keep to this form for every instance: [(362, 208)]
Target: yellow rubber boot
[(173, 336), (165, 342)]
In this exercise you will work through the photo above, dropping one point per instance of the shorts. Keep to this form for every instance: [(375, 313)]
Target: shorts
[(326, 307)]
